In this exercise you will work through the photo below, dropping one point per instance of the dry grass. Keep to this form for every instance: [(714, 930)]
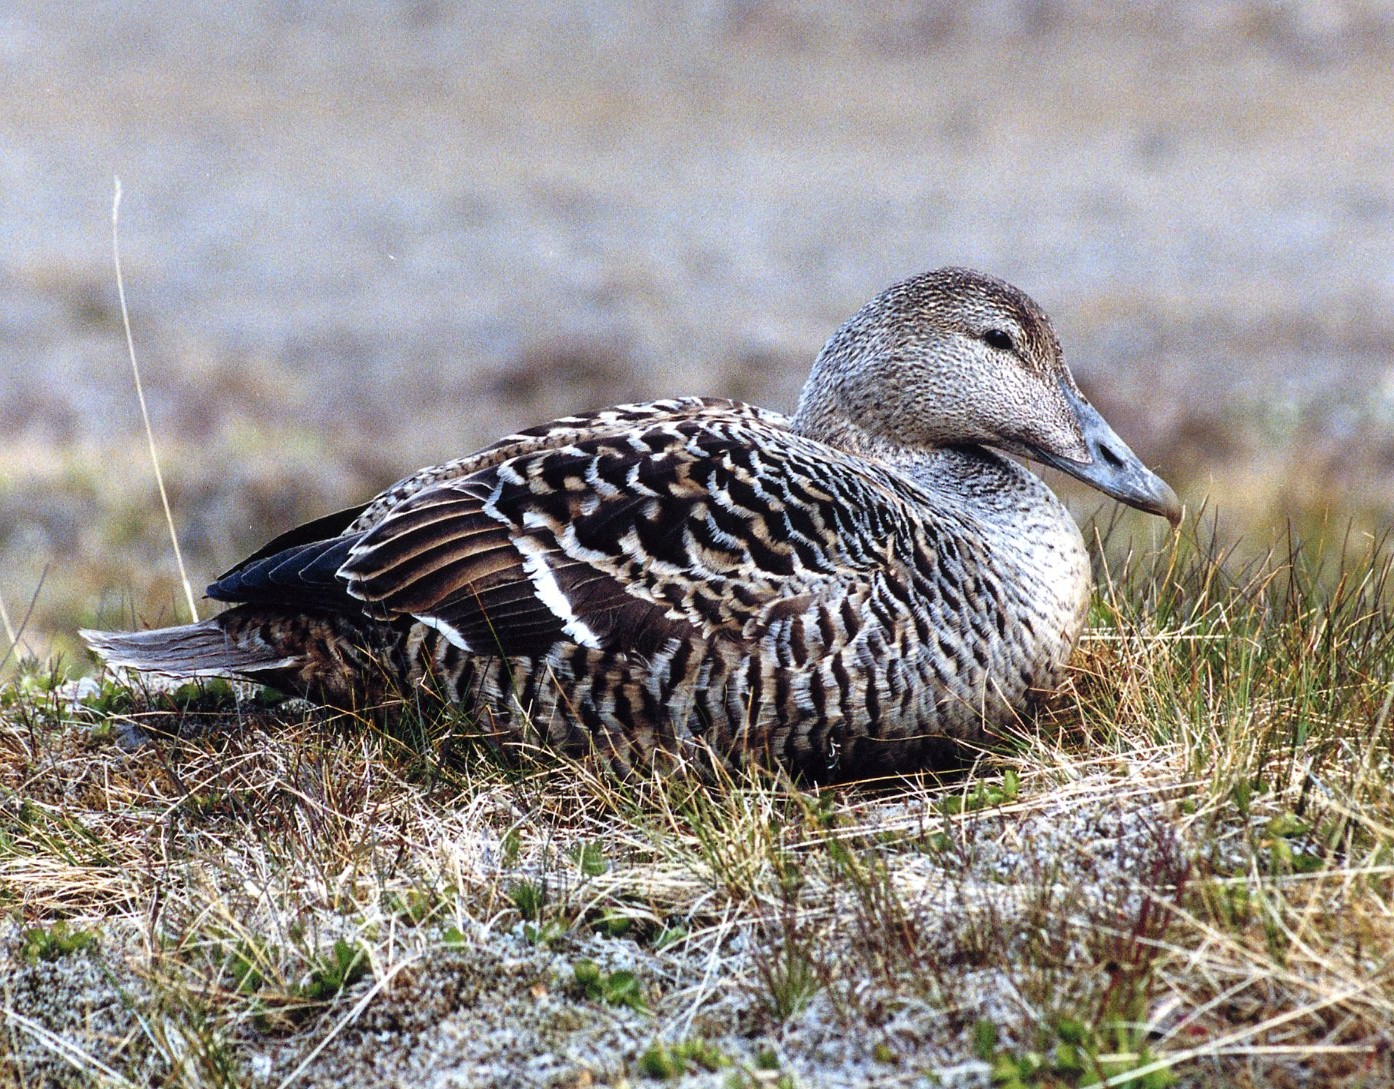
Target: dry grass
[(1180, 869)]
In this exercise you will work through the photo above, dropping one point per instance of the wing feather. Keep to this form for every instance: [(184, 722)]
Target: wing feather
[(623, 541), (620, 531)]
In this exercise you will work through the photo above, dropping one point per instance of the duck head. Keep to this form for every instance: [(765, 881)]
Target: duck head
[(958, 358)]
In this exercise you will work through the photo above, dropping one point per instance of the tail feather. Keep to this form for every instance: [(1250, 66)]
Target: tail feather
[(205, 649)]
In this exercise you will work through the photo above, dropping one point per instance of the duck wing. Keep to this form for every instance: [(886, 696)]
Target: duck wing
[(714, 525), (299, 568), (613, 421)]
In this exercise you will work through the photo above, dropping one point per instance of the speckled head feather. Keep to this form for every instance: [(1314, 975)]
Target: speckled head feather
[(847, 592), (946, 358)]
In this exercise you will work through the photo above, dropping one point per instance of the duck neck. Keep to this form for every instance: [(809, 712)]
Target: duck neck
[(993, 486), (818, 418), (827, 410)]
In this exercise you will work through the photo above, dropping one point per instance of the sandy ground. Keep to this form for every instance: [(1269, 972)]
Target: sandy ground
[(363, 237)]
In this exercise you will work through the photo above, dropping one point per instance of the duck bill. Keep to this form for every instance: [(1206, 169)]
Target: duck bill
[(1112, 468)]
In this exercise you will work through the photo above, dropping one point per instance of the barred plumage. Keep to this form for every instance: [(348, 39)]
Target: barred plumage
[(848, 591)]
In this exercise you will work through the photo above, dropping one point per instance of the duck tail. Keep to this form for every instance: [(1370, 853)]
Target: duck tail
[(205, 649)]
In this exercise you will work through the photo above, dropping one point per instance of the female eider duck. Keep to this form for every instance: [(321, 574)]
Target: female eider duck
[(846, 592)]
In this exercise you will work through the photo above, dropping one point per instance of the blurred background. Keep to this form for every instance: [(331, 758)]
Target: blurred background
[(362, 237)]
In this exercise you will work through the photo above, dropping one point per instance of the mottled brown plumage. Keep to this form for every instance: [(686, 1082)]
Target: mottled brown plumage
[(846, 592)]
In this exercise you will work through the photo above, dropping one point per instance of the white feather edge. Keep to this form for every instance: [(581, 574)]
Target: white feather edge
[(549, 592), (448, 630)]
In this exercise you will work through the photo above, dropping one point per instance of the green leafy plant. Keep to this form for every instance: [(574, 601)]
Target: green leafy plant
[(1072, 1054), (529, 897), (50, 943), (110, 698), (205, 695), (548, 933), (590, 859), (662, 1061), (344, 966), (613, 923), (416, 906), (614, 988), (791, 979), (247, 962), (983, 796)]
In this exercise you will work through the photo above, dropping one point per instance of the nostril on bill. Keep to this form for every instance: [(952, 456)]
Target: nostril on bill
[(1110, 457)]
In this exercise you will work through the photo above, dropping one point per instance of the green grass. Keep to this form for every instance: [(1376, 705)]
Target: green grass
[(1180, 870)]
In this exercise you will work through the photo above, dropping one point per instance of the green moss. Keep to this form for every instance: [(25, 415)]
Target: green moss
[(50, 943)]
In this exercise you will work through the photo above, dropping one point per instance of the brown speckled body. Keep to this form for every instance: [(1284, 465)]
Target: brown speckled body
[(850, 591)]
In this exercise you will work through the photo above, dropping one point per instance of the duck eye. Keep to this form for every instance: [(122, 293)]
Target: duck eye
[(999, 338)]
